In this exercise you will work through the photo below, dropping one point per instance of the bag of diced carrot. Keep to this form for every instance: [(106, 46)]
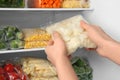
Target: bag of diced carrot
[(45, 3)]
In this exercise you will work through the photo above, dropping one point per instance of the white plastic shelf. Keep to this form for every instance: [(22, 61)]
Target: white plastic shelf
[(21, 50), (45, 9)]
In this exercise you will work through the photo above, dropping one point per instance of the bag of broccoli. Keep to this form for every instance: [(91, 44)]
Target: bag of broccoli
[(12, 32), (16, 44), (3, 45), (82, 68)]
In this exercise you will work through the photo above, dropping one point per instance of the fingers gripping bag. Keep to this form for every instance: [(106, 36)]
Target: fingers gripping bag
[(72, 33)]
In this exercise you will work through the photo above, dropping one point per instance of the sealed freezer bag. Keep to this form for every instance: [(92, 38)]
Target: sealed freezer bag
[(82, 68), (12, 3), (72, 33), (35, 34), (11, 70), (39, 69), (35, 38), (14, 37), (44, 3), (11, 37)]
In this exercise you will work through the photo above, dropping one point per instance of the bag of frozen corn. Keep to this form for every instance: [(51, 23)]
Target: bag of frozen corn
[(35, 38)]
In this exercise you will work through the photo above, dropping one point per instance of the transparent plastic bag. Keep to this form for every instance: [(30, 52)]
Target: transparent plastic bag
[(35, 38), (44, 3), (12, 70), (75, 4), (11, 37)]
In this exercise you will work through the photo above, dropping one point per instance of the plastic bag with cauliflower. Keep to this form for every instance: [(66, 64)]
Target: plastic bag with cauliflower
[(72, 33), (39, 69)]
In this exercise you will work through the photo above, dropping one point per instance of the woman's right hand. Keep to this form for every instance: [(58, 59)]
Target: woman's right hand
[(98, 36)]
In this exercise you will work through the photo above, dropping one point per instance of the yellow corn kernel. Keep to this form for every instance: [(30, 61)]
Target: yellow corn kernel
[(35, 44), (39, 37)]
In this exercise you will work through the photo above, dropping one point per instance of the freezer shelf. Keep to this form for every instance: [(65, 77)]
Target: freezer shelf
[(27, 8), (21, 50), (45, 9)]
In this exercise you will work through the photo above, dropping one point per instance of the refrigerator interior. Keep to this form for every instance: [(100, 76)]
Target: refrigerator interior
[(103, 69)]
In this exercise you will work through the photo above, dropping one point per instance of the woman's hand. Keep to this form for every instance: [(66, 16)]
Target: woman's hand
[(106, 46), (57, 53), (97, 35), (56, 49)]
